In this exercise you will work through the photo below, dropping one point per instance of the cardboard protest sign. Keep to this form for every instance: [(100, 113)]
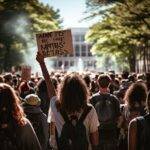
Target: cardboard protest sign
[(26, 73), (55, 43)]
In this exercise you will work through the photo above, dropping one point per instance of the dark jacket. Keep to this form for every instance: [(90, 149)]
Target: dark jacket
[(26, 138), (39, 122)]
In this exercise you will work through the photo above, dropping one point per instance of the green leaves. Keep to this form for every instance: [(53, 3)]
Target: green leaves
[(19, 22), (124, 28)]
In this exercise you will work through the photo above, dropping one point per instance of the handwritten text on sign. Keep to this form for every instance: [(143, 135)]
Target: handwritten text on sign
[(55, 43), (26, 73)]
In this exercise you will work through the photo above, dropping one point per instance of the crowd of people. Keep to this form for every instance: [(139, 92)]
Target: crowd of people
[(75, 111)]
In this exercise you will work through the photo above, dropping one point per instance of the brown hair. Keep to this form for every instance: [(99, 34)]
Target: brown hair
[(104, 80), (73, 93), (10, 110), (136, 93)]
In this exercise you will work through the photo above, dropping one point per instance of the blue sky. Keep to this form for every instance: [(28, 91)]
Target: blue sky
[(72, 12)]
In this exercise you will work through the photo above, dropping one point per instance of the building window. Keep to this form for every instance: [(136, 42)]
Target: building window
[(59, 63), (66, 64), (77, 38), (77, 50), (82, 38), (89, 52), (89, 64), (83, 50), (55, 64), (71, 63)]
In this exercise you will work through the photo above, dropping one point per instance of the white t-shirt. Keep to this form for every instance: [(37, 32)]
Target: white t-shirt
[(91, 121)]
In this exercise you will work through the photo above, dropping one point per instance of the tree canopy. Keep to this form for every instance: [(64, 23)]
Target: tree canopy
[(20, 20), (124, 30)]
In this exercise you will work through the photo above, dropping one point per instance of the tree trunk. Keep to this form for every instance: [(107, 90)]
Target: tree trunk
[(132, 60)]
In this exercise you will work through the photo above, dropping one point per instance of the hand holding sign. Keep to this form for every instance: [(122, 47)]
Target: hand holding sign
[(55, 43)]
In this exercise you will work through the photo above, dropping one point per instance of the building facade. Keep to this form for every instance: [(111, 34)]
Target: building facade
[(82, 58)]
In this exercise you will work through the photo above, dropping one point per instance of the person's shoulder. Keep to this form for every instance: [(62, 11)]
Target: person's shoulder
[(53, 100), (27, 123), (133, 123), (92, 109), (95, 95), (90, 106), (113, 96), (25, 129)]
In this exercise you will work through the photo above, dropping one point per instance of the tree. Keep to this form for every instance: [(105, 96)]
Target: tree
[(20, 21), (124, 30)]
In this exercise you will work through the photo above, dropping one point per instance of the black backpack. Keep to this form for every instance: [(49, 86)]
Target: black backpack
[(8, 138), (105, 108), (74, 137), (143, 133)]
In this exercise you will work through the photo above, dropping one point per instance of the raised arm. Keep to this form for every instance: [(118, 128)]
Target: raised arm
[(50, 87)]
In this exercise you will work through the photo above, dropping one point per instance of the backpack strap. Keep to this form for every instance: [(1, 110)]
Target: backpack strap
[(85, 112), (81, 119)]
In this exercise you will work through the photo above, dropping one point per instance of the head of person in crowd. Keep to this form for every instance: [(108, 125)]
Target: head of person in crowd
[(32, 100), (104, 82), (1, 79), (112, 86), (10, 110), (15, 81), (141, 77), (73, 94), (25, 89), (8, 78), (31, 84), (87, 80), (112, 76), (55, 83), (94, 87), (136, 95), (117, 83), (125, 84), (132, 78), (125, 74), (41, 91), (41, 86)]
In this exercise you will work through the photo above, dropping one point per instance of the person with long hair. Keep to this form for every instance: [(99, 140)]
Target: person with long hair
[(70, 105), (135, 103), (139, 131), (16, 131)]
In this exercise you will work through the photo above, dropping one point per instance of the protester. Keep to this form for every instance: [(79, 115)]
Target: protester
[(24, 89), (41, 91), (139, 131), (37, 118), (8, 78), (1, 79), (108, 110), (112, 85), (16, 132), (134, 106), (76, 121)]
